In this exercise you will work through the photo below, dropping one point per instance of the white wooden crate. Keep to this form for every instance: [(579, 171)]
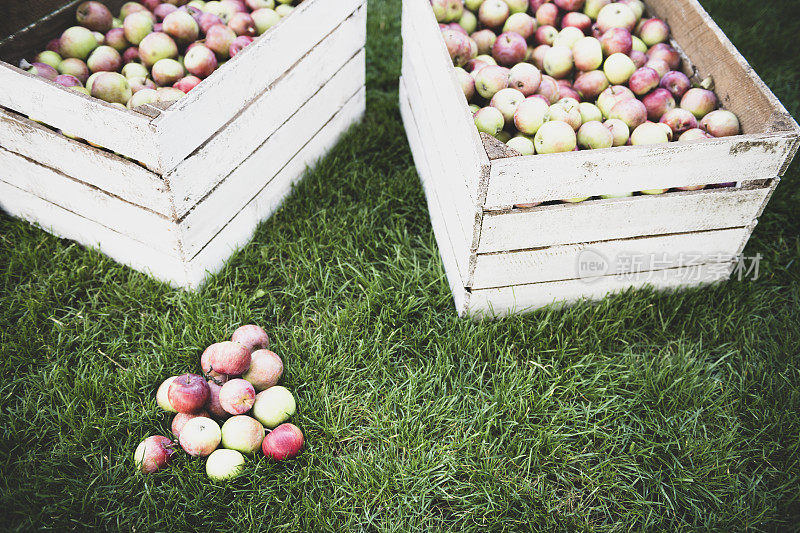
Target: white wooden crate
[(207, 170), (500, 259)]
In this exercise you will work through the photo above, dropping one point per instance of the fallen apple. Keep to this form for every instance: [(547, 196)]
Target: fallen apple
[(223, 465), (153, 454), (200, 436), (274, 406), (284, 442), (188, 393), (242, 433)]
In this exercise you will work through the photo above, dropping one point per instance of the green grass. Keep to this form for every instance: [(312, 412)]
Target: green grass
[(656, 412)]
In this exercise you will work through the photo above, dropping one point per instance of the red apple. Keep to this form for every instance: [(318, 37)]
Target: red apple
[(188, 393), (237, 396), (643, 81), (616, 40), (283, 442), (679, 121), (230, 358), (509, 49), (153, 453), (657, 103), (677, 83)]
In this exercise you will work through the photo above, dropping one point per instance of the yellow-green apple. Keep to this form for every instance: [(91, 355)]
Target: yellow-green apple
[(485, 40), (506, 101), (658, 103), (525, 77), (200, 436), (264, 19), (619, 130), (677, 83), (590, 85), (111, 87), (284, 442), (488, 120), (612, 96), (565, 111), (153, 454), (587, 53), (139, 84), (167, 95), (181, 419), (649, 133), (276, 404), (493, 13), (558, 61), (637, 6), (679, 121), (473, 5), (654, 31), (590, 112), (592, 7), (509, 49), (520, 23), (447, 10), (188, 393), (618, 68), (554, 137), (77, 42), (593, 135), (530, 114), (517, 6), (490, 80), (142, 96), (242, 433), (104, 59), (503, 136), (135, 70), (616, 15), (466, 82), (522, 144), (223, 465), (630, 111), (167, 72), (568, 37), (48, 57), (137, 26), (699, 102), (721, 123), (237, 396), (182, 27), (157, 46), (616, 41), (130, 7), (694, 135), (162, 397)]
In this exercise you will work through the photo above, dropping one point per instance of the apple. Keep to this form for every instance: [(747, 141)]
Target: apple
[(485, 40), (276, 404), (181, 419), (666, 53), (466, 82), (521, 24), (468, 21), (568, 37), (616, 41), (161, 11), (525, 78), (667, 130), (565, 111), (167, 72), (549, 89), (219, 39), (490, 80), (592, 7), (547, 15), (168, 95), (237, 396), (157, 46), (182, 27), (243, 434), (509, 49), (229, 358), (94, 16), (618, 68), (611, 96), (545, 35), (517, 6), (129, 8), (200, 436), (493, 13), (630, 111), (137, 26), (77, 42), (577, 20), (266, 369), (223, 465), (721, 123), (590, 112), (619, 130), (44, 71), (506, 101), (48, 57), (187, 393), (162, 397), (530, 115), (554, 137), (699, 102), (694, 135), (113, 88), (587, 54), (568, 91), (489, 120), (558, 61), (570, 5), (522, 144), (639, 59), (131, 55), (260, 4), (153, 454), (115, 38), (649, 133), (459, 46), (284, 442), (200, 61), (239, 44), (657, 103), (594, 135), (242, 24), (679, 121), (104, 59), (220, 9), (590, 85), (447, 10), (637, 6), (65, 80), (537, 55), (654, 31), (142, 96), (643, 81), (264, 19), (677, 83), (616, 15), (503, 136)]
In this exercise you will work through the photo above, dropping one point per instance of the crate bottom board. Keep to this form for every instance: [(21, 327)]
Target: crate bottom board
[(171, 267)]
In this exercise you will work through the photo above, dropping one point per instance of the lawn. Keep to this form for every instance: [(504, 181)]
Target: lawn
[(646, 411)]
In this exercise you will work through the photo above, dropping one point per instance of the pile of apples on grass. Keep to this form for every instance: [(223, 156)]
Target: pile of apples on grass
[(154, 51), (239, 386), (555, 76)]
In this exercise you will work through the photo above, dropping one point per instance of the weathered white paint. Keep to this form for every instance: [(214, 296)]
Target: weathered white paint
[(238, 231), (249, 177), (647, 253), (620, 218), (215, 159), (206, 109), (83, 162)]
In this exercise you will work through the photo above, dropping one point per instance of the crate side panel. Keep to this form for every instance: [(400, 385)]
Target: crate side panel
[(567, 261), (94, 166), (518, 299), (193, 119), (247, 179), (620, 218), (240, 229), (212, 162)]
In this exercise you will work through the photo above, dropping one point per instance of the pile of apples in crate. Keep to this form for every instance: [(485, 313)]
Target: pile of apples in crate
[(239, 386), (556, 76), (154, 51)]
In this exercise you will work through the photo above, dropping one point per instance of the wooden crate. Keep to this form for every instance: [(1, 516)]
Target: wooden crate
[(500, 259), (176, 191)]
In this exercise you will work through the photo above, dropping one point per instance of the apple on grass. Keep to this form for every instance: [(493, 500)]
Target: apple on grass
[(223, 465), (228, 357), (266, 369), (153, 453), (242, 433), (188, 393), (237, 396), (274, 406), (284, 442), (180, 420), (200, 436)]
